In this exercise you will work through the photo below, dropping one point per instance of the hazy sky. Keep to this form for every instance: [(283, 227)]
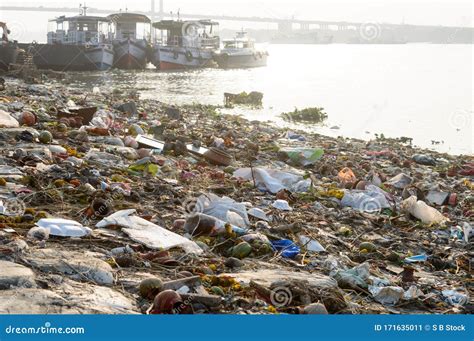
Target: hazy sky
[(428, 12)]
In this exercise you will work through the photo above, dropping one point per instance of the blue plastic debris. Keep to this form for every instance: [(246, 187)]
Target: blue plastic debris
[(287, 248), (416, 259)]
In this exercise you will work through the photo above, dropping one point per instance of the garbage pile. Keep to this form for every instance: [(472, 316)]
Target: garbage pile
[(115, 205)]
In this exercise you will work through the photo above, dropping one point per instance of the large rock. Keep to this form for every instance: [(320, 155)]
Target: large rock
[(267, 276), (75, 299), (15, 275), (7, 121), (77, 265), (33, 301), (93, 299)]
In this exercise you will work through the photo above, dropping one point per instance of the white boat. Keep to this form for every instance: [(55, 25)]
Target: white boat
[(131, 39), (78, 43), (240, 52), (185, 44)]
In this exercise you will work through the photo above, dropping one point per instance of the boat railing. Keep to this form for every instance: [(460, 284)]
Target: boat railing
[(77, 38), (210, 42)]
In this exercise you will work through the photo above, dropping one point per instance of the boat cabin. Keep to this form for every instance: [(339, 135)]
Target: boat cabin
[(130, 26), (240, 41), (198, 34), (79, 30)]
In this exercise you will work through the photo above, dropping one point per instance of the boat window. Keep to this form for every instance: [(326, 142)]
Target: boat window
[(143, 31), (132, 30)]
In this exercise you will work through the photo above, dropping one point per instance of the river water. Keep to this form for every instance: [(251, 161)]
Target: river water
[(423, 91)]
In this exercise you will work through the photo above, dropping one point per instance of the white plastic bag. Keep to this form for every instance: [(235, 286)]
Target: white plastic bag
[(419, 209)]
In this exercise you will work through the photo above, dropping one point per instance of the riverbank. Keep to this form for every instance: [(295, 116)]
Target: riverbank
[(297, 223), (361, 87)]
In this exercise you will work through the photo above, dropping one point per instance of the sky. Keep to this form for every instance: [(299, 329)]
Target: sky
[(422, 12)]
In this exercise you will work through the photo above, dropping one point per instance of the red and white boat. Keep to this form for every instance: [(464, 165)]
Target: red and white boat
[(131, 39), (185, 44)]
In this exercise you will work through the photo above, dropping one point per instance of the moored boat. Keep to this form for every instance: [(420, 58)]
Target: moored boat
[(185, 44), (131, 39), (78, 43), (240, 52), (8, 49)]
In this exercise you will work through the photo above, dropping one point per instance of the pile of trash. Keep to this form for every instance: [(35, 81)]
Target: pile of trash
[(116, 205)]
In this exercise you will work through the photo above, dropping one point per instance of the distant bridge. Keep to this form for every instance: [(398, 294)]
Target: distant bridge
[(283, 24)]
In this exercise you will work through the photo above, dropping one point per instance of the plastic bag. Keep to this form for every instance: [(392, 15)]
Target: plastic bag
[(273, 180), (346, 175), (419, 209), (303, 156), (372, 199), (287, 248)]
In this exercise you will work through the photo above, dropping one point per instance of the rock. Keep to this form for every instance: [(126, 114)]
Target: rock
[(6, 121), (315, 309), (16, 106), (135, 130), (128, 108), (93, 299), (266, 277), (424, 160), (173, 113), (77, 265), (400, 181), (233, 262), (74, 298), (33, 301), (15, 275)]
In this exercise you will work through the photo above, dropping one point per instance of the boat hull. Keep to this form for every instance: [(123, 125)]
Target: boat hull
[(229, 61), (130, 55), (8, 55), (101, 57), (72, 57), (166, 58)]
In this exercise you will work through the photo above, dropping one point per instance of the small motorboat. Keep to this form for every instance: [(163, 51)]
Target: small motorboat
[(131, 40), (8, 49), (185, 44), (240, 52), (78, 43)]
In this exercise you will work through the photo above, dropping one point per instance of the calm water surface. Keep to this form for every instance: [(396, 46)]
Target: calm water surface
[(421, 91)]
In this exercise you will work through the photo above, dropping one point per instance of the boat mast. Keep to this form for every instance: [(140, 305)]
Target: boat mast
[(83, 9)]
